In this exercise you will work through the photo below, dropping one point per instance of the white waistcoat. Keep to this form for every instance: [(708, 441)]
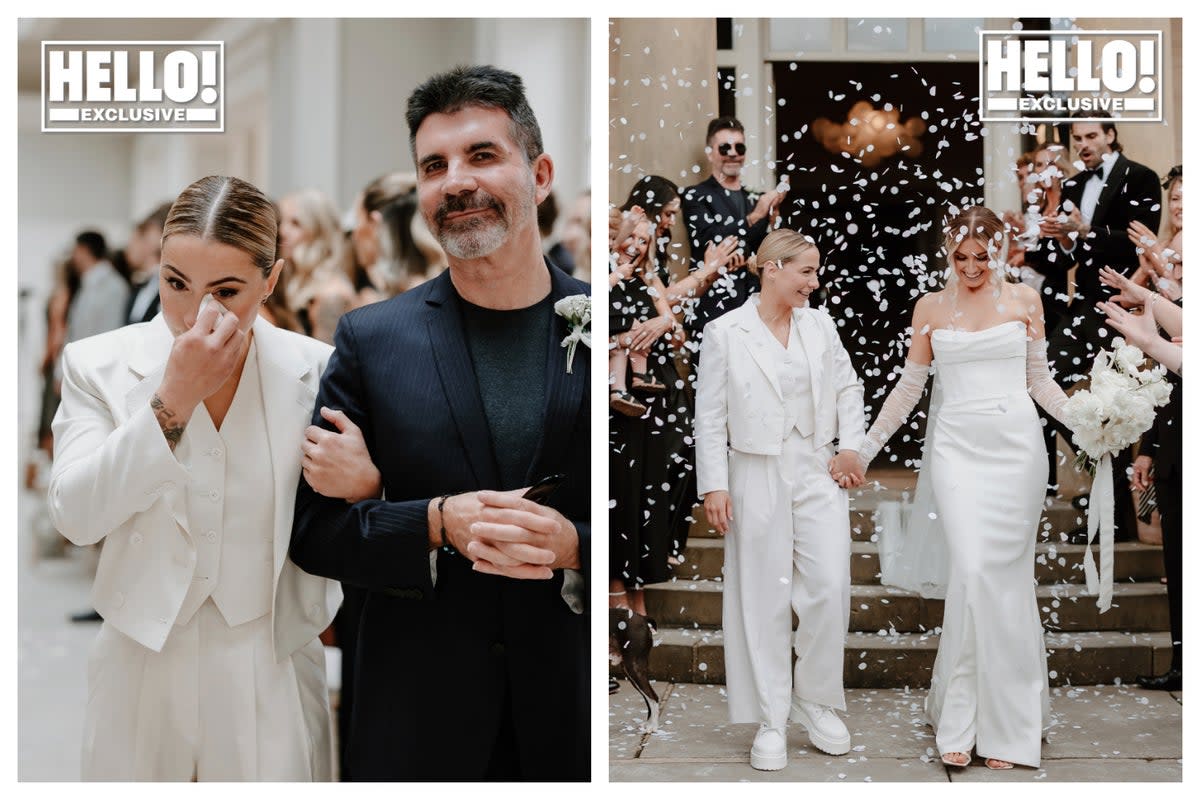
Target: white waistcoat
[(795, 381), (230, 503)]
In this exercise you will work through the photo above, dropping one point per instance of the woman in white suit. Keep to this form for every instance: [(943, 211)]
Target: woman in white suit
[(775, 389), (178, 443)]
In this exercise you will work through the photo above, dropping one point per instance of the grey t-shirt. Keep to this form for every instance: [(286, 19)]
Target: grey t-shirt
[(508, 350)]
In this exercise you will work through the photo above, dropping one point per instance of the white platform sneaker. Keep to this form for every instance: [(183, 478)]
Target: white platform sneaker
[(825, 729), (769, 751)]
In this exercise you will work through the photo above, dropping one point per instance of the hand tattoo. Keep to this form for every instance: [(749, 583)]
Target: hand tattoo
[(166, 420)]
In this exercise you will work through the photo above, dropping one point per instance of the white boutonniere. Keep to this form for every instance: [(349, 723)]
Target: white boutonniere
[(577, 311)]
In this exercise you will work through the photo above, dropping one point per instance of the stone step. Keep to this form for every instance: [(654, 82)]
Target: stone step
[(1058, 518), (1137, 606), (906, 659), (1056, 563)]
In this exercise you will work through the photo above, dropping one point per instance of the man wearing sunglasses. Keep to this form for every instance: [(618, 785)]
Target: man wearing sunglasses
[(719, 208)]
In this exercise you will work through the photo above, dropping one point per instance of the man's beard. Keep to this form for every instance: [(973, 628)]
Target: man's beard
[(475, 236), (731, 169)]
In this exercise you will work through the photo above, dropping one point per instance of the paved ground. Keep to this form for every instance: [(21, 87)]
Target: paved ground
[(1104, 733)]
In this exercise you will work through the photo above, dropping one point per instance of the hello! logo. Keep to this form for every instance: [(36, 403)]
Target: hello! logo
[(152, 87), (1061, 76)]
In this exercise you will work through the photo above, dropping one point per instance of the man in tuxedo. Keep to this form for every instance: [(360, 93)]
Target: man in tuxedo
[(439, 409), (1099, 203), (718, 208)]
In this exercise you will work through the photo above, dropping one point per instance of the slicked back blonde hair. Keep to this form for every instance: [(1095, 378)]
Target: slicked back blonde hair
[(779, 246), (230, 211)]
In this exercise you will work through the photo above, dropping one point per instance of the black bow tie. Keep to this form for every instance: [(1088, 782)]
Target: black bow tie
[(1087, 174)]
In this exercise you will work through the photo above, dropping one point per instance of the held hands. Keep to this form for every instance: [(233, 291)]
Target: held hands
[(718, 508), (337, 463), (202, 359), (507, 535), (846, 469)]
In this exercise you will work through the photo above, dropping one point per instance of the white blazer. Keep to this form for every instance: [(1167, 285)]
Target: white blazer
[(115, 478), (739, 403)]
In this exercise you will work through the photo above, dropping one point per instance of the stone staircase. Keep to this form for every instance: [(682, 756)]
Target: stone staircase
[(894, 634)]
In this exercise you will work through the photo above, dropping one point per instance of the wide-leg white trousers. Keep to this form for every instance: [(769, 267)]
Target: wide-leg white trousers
[(788, 550), (212, 706)]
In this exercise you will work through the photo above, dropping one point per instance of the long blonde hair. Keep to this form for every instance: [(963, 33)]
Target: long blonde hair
[(321, 258)]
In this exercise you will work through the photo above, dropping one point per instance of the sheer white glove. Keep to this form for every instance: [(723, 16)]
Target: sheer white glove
[(1042, 388), (899, 404)]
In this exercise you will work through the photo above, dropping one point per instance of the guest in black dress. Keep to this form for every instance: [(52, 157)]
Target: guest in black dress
[(650, 454)]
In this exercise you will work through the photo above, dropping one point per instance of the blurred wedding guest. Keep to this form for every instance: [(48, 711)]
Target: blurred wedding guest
[(1160, 261), (720, 208), (275, 310), (178, 443), (1090, 232), (1159, 464), (558, 253), (143, 252), (1041, 196), (577, 235), (310, 239), (66, 284), (99, 305), (393, 248)]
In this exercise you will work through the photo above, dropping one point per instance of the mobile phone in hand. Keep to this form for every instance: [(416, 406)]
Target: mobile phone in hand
[(544, 488)]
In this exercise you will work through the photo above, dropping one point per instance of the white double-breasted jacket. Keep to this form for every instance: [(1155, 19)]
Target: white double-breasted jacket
[(115, 478), (739, 401)]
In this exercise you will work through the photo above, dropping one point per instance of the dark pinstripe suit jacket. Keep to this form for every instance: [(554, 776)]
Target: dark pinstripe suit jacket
[(437, 663)]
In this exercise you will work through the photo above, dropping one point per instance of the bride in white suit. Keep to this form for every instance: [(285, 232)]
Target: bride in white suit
[(178, 443), (775, 389)]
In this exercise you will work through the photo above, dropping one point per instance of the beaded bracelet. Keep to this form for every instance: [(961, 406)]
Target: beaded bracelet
[(442, 518)]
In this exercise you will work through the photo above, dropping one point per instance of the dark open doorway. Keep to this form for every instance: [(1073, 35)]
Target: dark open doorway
[(873, 197)]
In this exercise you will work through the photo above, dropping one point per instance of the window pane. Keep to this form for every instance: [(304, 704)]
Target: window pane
[(808, 35), (950, 35), (887, 34)]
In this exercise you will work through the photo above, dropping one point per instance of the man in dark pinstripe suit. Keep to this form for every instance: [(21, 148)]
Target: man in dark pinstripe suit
[(438, 410)]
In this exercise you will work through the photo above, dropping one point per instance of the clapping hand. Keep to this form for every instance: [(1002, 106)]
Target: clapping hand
[(1130, 294), (1138, 329), (846, 469), (720, 253)]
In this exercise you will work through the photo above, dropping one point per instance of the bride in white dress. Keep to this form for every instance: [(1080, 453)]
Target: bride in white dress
[(987, 466)]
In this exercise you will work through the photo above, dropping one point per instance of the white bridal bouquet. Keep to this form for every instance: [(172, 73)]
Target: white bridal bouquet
[(1106, 418)]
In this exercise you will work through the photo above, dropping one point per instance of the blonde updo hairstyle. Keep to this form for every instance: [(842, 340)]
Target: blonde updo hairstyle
[(981, 224), (779, 247)]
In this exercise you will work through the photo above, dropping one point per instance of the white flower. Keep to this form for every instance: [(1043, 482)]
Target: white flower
[(577, 311), (1127, 357), (1119, 404)]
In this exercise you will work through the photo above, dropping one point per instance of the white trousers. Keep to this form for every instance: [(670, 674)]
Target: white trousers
[(788, 550), (212, 706)]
